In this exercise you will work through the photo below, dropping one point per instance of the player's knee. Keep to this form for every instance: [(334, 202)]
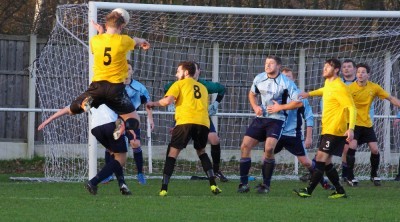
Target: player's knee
[(131, 124)]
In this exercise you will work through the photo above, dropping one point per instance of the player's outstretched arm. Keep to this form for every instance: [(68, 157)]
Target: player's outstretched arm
[(162, 102), (59, 113), (150, 117), (142, 43), (393, 100)]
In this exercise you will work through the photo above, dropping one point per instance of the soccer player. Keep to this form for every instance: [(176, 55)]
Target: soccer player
[(396, 124), (349, 71), (364, 92), (213, 138), (292, 137), (192, 122), (138, 94), (274, 89), (338, 107), (110, 71), (103, 123)]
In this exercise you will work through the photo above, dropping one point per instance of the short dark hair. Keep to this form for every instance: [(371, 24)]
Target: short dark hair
[(188, 66), (350, 61), (276, 58), (287, 69), (364, 66), (335, 63)]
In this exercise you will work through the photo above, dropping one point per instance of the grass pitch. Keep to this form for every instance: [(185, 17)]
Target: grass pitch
[(193, 201)]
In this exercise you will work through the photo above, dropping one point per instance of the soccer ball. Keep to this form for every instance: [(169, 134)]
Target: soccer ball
[(124, 14)]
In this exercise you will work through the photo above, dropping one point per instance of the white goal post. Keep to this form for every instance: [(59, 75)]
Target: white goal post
[(230, 44)]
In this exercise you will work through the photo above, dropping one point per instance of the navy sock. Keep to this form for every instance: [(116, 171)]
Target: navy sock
[(216, 156), (138, 157), (268, 166), (245, 164), (105, 172), (350, 159), (344, 170), (107, 157)]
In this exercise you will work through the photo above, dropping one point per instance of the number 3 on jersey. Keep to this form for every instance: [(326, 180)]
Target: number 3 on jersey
[(107, 55), (197, 93)]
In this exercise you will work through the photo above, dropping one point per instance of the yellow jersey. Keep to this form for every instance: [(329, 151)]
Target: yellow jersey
[(338, 107), (363, 97), (191, 102), (109, 52)]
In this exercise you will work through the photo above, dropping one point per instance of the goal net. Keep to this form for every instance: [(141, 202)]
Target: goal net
[(231, 45)]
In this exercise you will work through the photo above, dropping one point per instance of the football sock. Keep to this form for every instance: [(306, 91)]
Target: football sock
[(316, 176), (351, 159), (119, 174), (168, 170), (344, 169), (268, 166), (105, 172), (245, 164), (207, 167), (138, 157), (375, 158), (333, 176), (216, 156)]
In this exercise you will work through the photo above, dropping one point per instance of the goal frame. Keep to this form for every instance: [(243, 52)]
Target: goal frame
[(92, 15)]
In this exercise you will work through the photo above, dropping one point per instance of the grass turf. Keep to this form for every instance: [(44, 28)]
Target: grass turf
[(193, 201)]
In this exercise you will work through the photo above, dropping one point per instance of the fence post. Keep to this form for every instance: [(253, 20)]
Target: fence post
[(31, 97)]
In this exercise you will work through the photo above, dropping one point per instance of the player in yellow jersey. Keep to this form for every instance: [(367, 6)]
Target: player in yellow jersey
[(110, 68), (364, 92), (192, 122), (338, 107)]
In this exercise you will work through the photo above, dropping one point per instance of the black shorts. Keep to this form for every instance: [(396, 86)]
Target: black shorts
[(364, 134), (331, 144), (292, 144), (104, 134), (181, 135), (104, 92), (261, 128)]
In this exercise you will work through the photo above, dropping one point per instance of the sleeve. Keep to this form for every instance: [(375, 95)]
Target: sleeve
[(293, 91), (317, 92), (253, 87), (173, 90), (167, 86), (380, 92), (144, 94), (129, 42), (214, 87), (308, 114)]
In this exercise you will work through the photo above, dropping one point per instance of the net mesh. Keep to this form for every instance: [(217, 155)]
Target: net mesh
[(239, 43)]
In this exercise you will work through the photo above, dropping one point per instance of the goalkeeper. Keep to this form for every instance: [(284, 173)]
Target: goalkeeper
[(103, 119), (110, 68), (213, 138)]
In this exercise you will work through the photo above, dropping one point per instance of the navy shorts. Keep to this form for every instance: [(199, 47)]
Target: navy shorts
[(104, 92), (332, 144), (292, 144), (181, 135), (212, 127), (261, 128), (364, 135), (104, 134)]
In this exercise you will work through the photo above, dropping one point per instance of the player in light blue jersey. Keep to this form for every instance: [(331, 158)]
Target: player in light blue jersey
[(274, 89), (138, 94)]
